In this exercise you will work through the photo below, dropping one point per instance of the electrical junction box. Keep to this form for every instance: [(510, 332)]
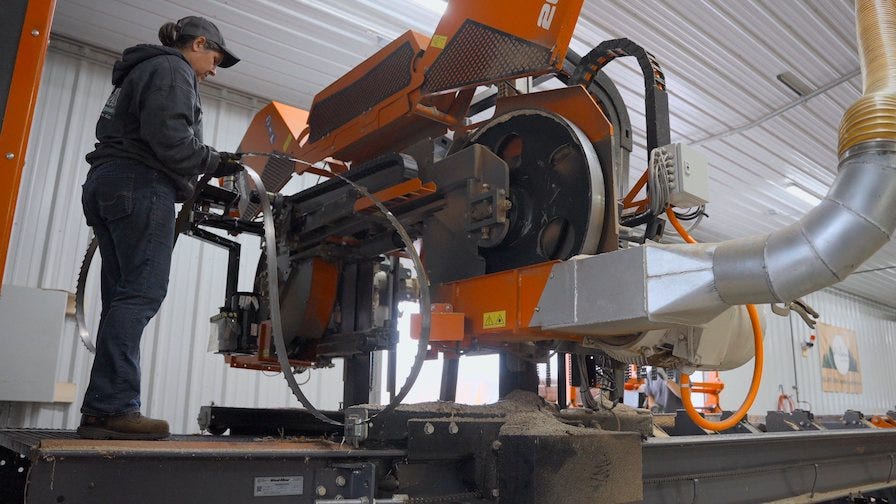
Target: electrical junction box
[(689, 180)]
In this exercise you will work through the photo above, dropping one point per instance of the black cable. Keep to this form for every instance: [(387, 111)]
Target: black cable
[(693, 213), (655, 98), (584, 388)]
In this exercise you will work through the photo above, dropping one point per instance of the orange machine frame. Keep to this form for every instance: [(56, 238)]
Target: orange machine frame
[(403, 116), (20, 105), (547, 23), (472, 298), (521, 288), (412, 113), (324, 287)]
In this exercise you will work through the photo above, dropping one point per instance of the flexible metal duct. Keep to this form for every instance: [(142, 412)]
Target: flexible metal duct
[(692, 284), (858, 215)]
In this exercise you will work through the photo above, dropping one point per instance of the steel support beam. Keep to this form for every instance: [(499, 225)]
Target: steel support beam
[(448, 389)]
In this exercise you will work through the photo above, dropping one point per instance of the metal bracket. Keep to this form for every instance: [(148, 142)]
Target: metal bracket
[(487, 213), (346, 482), (806, 312), (356, 428)]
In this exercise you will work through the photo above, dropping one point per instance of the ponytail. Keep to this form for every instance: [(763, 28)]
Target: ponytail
[(170, 36)]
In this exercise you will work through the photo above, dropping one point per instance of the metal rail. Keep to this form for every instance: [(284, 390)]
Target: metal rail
[(769, 467), (737, 468)]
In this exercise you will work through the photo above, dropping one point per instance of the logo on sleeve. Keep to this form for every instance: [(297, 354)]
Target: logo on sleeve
[(109, 108)]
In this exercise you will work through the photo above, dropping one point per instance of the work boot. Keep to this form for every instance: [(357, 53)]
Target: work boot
[(133, 426)]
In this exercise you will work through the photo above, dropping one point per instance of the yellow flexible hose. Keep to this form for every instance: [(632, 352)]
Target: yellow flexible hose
[(741, 412), (873, 116)]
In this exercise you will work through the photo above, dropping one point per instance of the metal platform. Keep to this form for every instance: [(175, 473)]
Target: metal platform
[(64, 468), (738, 468)]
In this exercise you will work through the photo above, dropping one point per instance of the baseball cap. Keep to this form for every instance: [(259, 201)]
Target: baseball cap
[(201, 27)]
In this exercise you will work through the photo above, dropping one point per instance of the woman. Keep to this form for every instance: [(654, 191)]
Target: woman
[(148, 156), (663, 392)]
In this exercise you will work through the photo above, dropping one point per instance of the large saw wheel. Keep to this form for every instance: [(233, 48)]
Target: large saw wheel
[(556, 189)]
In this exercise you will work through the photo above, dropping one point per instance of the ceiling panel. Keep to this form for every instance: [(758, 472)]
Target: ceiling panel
[(720, 58)]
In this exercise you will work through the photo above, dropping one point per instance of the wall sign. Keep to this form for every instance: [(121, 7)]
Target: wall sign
[(840, 369)]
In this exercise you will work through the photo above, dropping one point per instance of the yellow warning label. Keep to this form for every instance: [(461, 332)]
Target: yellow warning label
[(439, 41), (495, 319), (287, 142)]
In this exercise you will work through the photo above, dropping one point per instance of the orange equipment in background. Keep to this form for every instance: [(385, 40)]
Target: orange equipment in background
[(883, 422), (711, 387)]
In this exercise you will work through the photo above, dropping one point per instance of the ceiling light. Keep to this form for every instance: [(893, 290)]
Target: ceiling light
[(437, 6), (795, 83), (802, 194)]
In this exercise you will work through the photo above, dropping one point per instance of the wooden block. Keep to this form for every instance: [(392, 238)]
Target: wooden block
[(65, 392)]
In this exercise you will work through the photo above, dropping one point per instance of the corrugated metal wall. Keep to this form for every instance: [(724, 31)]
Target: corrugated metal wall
[(786, 365), (50, 236)]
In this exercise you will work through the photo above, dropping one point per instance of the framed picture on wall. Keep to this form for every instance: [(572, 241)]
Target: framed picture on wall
[(840, 369)]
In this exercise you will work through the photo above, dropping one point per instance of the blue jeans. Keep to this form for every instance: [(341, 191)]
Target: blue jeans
[(131, 210)]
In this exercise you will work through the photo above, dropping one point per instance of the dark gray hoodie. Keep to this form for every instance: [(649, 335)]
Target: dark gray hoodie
[(154, 117)]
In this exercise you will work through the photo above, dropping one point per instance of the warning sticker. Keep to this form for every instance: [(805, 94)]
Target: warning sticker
[(495, 319), (279, 486), (439, 41), (286, 143)]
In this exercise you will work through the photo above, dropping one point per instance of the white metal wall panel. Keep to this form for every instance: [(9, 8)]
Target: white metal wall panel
[(786, 366), (50, 236), (720, 59)]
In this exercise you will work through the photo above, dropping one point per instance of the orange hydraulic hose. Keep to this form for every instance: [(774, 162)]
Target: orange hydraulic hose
[(757, 363), (678, 227)]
